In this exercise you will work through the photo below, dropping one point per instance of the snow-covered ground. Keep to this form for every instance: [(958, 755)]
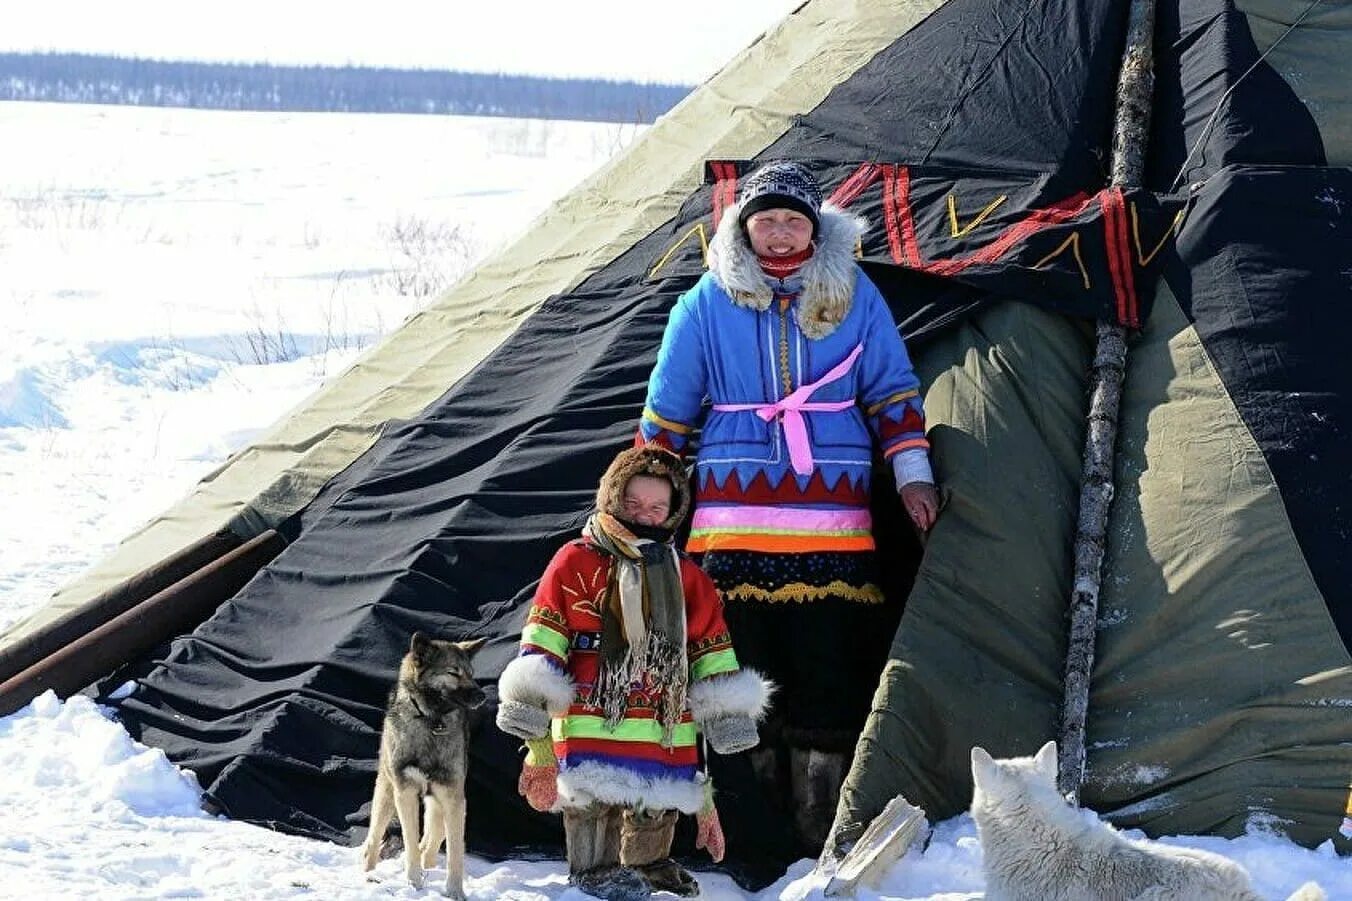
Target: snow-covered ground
[(171, 282)]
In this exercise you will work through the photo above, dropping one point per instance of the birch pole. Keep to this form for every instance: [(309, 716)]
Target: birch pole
[(1131, 129)]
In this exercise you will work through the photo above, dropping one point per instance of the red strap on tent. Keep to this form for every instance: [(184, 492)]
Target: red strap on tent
[(897, 215), (725, 188), (1119, 256), (856, 184)]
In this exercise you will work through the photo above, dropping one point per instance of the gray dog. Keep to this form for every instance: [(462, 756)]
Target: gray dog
[(424, 754)]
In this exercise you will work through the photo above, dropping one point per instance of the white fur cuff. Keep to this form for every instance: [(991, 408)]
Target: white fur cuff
[(536, 680), (745, 693), (593, 782)]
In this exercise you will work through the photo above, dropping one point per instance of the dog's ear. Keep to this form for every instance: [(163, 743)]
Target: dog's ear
[(472, 645), (1045, 759), (982, 764), (419, 644)]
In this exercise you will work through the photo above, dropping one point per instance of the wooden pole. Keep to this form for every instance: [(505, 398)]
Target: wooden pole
[(1131, 129), (42, 642), (178, 608)]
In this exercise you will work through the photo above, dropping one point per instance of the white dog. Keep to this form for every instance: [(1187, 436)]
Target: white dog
[(1036, 847)]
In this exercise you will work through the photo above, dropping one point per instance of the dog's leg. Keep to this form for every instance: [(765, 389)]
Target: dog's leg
[(382, 809), (434, 830), (452, 804), (406, 802)]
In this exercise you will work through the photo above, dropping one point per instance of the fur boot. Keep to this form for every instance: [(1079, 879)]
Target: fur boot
[(816, 777), (592, 836), (645, 845)]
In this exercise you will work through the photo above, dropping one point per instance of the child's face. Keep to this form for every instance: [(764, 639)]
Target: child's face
[(778, 232), (647, 500)]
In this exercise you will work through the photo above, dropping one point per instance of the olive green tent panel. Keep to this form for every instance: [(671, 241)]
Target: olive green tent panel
[(740, 111), (1206, 596), (976, 659), (1215, 640), (1312, 58)]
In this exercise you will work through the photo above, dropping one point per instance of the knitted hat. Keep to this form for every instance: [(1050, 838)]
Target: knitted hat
[(781, 185), (648, 460)]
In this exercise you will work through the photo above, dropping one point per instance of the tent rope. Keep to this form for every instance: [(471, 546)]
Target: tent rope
[(1211, 120)]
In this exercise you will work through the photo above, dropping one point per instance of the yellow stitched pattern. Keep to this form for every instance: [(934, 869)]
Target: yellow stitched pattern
[(892, 399), (954, 231), (1143, 257), (696, 229), (801, 593), (669, 424), (784, 345), (1073, 242)]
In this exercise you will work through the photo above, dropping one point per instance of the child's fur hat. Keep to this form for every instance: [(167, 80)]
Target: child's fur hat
[(649, 460)]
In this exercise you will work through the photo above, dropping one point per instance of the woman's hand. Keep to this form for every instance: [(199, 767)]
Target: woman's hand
[(921, 502)]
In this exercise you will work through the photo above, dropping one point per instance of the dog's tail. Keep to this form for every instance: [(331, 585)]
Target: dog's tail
[(1310, 891)]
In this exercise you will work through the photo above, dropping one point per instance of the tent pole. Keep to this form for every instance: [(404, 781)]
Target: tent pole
[(1131, 129), (175, 610)]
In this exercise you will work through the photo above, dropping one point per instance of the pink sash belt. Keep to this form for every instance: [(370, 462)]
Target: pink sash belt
[(789, 411)]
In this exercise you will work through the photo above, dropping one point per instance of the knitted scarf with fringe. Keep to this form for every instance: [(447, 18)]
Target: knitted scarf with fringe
[(643, 627)]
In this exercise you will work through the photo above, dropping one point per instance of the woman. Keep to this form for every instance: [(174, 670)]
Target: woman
[(806, 372)]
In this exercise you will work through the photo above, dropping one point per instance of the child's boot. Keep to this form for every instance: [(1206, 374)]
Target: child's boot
[(645, 845), (592, 836)]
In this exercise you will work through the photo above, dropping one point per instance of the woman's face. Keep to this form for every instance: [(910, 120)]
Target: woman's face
[(647, 500), (778, 232)]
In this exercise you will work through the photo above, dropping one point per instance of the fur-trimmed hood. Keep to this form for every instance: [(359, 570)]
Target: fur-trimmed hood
[(649, 460), (828, 277)]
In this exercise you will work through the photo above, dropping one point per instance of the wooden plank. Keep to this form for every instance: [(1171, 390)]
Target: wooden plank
[(883, 843)]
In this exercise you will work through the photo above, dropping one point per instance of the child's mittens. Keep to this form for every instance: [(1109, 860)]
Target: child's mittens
[(523, 720), (709, 831), (732, 733), (539, 782)]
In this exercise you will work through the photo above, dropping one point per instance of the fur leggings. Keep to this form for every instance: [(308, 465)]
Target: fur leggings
[(602, 835)]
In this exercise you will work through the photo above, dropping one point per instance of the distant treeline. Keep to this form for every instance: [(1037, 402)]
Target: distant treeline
[(83, 78)]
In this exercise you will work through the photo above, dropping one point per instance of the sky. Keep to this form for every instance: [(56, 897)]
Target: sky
[(682, 42)]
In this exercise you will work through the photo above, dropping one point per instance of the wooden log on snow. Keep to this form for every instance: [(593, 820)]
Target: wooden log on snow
[(177, 609), (882, 844), (52, 636)]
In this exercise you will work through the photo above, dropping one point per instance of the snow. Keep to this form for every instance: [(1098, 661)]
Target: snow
[(175, 280)]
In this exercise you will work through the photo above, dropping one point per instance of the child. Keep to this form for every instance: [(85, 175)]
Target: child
[(807, 374), (624, 659)]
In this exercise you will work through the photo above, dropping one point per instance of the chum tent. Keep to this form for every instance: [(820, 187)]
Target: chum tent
[(427, 486)]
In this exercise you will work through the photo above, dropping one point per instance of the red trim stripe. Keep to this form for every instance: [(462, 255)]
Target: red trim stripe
[(856, 184), (621, 749), (1133, 316), (632, 713), (1114, 238), (1109, 234), (910, 246), (725, 188), (1036, 221), (906, 249), (897, 214), (890, 214)]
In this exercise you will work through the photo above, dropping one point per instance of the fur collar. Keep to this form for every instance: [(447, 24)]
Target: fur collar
[(828, 278)]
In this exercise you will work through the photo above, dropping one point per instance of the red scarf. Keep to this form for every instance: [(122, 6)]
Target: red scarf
[(783, 267)]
